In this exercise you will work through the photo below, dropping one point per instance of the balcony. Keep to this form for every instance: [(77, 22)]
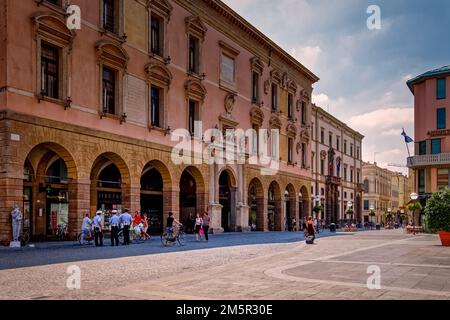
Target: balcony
[(333, 180), (429, 160)]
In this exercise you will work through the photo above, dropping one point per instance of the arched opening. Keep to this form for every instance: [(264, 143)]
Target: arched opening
[(273, 207), (303, 205), (227, 198), (188, 199), (289, 202), (46, 191), (255, 201), (152, 200)]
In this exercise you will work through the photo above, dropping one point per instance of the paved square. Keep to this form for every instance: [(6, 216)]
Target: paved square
[(412, 267)]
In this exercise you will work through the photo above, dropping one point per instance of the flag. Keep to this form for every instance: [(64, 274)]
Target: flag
[(407, 138)]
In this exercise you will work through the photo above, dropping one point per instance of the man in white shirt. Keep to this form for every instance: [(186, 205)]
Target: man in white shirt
[(86, 228), (114, 223), (98, 229), (126, 219)]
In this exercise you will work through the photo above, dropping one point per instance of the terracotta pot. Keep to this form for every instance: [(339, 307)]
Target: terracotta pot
[(445, 238)]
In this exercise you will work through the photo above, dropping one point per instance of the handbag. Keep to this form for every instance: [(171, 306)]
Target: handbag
[(201, 232)]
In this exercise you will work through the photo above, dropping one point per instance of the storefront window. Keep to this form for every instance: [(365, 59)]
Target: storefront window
[(443, 179)]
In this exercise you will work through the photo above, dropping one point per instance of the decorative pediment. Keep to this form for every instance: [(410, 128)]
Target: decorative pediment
[(230, 100), (195, 26), (275, 76), (257, 65), (161, 7), (54, 27), (256, 116), (112, 53), (275, 122), (305, 136), (291, 130), (159, 73), (306, 96), (323, 155), (292, 86), (195, 89)]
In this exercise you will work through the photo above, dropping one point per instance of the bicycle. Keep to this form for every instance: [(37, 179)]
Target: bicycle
[(62, 232), (24, 237), (83, 238), (177, 236)]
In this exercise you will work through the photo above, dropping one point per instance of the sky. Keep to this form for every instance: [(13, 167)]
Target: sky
[(362, 72)]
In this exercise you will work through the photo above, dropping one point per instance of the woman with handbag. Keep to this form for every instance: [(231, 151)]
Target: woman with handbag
[(198, 226), (310, 231)]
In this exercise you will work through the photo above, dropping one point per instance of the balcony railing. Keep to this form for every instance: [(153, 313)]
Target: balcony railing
[(428, 160)]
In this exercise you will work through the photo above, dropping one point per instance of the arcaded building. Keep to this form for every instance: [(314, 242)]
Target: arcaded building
[(336, 166), (87, 115)]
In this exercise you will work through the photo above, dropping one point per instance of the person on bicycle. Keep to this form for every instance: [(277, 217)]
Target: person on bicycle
[(171, 222), (86, 228)]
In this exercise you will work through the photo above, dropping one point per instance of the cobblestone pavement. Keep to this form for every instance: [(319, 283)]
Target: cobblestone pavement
[(412, 267)]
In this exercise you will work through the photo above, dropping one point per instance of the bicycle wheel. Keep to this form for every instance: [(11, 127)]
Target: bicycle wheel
[(24, 238), (164, 239), (181, 239)]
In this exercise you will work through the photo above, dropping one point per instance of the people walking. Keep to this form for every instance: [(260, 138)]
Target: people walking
[(126, 219), (206, 222), (198, 227), (114, 223), (145, 226), (310, 229), (294, 224), (98, 229)]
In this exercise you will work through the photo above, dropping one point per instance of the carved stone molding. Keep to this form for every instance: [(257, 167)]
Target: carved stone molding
[(158, 73), (266, 87), (257, 65), (52, 26), (230, 100), (275, 122), (275, 76), (195, 89), (196, 27), (291, 130), (162, 8), (112, 53), (305, 136), (323, 155), (256, 116)]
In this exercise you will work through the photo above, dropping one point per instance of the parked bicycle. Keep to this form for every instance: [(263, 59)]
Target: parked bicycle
[(24, 237), (62, 232), (177, 236), (84, 238)]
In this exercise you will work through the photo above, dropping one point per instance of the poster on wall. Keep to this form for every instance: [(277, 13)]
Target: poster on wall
[(61, 212)]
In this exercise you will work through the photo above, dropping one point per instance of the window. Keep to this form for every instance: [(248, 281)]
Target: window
[(366, 204), (322, 191), (193, 55), (345, 146), (345, 194), (109, 90), (338, 143), (303, 155), (358, 150), (322, 167), (358, 176), (155, 112), (274, 97), (351, 175), (290, 105), (421, 181), (441, 118), (290, 147), (109, 15), (351, 196), (275, 145), (351, 149), (193, 115), (366, 186), (441, 88), (255, 87), (255, 139), (156, 36), (345, 173), (422, 148), (330, 139), (304, 113), (443, 179), (50, 71), (435, 146), (227, 69), (322, 136)]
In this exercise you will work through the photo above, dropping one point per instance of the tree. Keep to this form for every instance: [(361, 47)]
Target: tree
[(437, 211)]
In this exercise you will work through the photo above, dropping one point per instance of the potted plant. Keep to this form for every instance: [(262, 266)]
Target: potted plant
[(317, 209), (437, 213)]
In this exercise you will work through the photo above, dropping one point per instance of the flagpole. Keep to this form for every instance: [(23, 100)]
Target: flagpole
[(407, 147)]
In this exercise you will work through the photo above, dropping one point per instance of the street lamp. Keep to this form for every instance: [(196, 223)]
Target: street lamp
[(413, 196)]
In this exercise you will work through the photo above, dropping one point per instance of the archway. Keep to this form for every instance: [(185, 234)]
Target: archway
[(256, 204), (289, 202), (192, 195), (46, 191), (227, 198), (109, 178), (274, 207), (303, 205), (152, 194)]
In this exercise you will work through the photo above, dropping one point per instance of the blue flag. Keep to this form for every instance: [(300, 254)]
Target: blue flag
[(407, 138)]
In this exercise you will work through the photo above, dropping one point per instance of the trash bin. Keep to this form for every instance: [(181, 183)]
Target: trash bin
[(378, 226), (332, 227)]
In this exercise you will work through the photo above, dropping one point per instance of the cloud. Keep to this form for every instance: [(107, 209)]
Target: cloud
[(320, 99), (391, 133), (383, 119), (307, 56)]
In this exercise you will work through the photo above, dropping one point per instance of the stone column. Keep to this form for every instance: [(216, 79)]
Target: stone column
[(279, 215), (262, 223), (131, 196), (214, 207), (79, 202)]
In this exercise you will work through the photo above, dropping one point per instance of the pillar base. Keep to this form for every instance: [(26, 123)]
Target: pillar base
[(215, 212), (216, 230)]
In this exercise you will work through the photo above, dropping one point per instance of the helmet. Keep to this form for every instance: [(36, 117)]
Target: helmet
[(99, 212)]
